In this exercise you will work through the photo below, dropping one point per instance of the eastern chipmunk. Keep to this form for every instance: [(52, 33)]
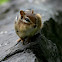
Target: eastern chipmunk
[(27, 24)]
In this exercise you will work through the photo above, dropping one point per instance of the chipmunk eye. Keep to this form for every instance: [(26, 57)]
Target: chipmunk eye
[(27, 19)]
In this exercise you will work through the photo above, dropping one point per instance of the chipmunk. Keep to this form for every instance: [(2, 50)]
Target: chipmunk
[(27, 24)]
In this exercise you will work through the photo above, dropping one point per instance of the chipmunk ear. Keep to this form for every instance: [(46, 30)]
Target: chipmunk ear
[(22, 13)]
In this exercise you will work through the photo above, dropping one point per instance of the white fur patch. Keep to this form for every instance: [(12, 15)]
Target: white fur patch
[(25, 21)]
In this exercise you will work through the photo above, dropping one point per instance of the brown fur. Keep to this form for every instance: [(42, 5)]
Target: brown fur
[(28, 29)]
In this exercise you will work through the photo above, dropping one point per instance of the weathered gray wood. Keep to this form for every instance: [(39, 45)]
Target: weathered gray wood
[(44, 49)]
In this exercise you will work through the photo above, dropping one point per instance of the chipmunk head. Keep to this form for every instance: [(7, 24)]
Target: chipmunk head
[(25, 24), (26, 17)]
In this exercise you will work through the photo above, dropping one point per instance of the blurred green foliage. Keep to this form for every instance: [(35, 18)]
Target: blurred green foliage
[(3, 1)]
